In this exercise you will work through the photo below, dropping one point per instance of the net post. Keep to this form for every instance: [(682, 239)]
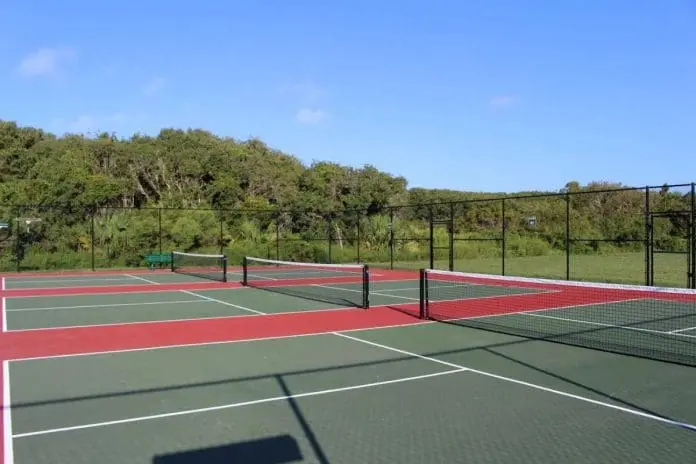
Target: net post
[(224, 268), (171, 260), (423, 298), (366, 286), (245, 264)]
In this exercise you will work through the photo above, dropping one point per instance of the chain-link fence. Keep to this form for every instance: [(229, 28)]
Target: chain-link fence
[(631, 235)]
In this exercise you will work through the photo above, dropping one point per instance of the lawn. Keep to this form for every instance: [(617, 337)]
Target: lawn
[(628, 268)]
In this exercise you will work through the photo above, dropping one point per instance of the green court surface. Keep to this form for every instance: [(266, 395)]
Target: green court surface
[(406, 395), (36, 312)]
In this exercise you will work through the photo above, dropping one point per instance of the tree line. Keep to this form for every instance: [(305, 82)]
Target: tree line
[(68, 198)]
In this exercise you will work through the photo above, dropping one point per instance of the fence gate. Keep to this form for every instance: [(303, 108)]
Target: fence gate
[(442, 248), (671, 249)]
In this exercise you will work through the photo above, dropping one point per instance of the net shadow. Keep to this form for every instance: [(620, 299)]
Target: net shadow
[(280, 449)]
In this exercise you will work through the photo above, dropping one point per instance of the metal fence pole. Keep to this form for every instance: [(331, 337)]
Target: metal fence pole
[(692, 241), (503, 236), (93, 236), (391, 238), (357, 224), (432, 239), (329, 225), (277, 235), (648, 239), (567, 237), (159, 229), (451, 237), (221, 241)]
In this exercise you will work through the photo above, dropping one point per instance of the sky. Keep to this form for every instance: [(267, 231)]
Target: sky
[(494, 96)]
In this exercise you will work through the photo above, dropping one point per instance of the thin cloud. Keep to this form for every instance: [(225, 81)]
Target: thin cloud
[(307, 92), (311, 116), (502, 101), (154, 85), (46, 62)]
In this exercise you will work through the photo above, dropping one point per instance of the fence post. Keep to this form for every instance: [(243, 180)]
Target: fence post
[(391, 238), (93, 235), (567, 236), (432, 239), (357, 224), (648, 239), (504, 233), (329, 225), (221, 239), (451, 238), (692, 242), (159, 230), (277, 235)]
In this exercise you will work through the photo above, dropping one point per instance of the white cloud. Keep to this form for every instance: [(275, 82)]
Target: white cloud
[(154, 85), (311, 116), (46, 62), (502, 101), (307, 92)]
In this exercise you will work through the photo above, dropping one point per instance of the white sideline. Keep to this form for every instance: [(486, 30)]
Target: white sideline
[(133, 276), (236, 405), (8, 454), (531, 385)]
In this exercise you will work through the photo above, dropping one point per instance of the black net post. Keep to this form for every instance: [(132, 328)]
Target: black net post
[(173, 265), (567, 236), (503, 235), (245, 264), (423, 294), (366, 287), (224, 268)]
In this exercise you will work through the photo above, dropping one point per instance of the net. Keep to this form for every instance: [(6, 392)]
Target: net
[(650, 322), (337, 284), (205, 266)]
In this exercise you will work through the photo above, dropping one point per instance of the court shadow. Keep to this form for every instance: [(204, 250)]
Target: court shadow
[(273, 450)]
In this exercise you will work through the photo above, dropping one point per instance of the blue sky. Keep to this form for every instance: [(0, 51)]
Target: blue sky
[(486, 96)]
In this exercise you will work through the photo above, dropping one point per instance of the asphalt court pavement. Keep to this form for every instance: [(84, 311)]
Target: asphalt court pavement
[(381, 395)]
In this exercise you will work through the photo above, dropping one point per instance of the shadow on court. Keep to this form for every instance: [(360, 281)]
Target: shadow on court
[(488, 348), (274, 450)]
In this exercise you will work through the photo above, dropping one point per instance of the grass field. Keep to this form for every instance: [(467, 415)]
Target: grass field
[(627, 268)]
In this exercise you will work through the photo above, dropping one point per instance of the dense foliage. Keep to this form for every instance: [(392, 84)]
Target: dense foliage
[(120, 199)]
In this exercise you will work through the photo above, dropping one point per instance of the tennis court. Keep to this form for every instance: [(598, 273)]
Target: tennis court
[(441, 367)]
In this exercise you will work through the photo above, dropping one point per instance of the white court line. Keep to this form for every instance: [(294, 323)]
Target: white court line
[(59, 281), (4, 314), (7, 415), (532, 385), (600, 324), (243, 308), (2, 284), (133, 276), (185, 319), (106, 306), (678, 331), (237, 405)]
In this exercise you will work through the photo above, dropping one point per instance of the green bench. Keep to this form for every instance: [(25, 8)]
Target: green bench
[(154, 259)]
